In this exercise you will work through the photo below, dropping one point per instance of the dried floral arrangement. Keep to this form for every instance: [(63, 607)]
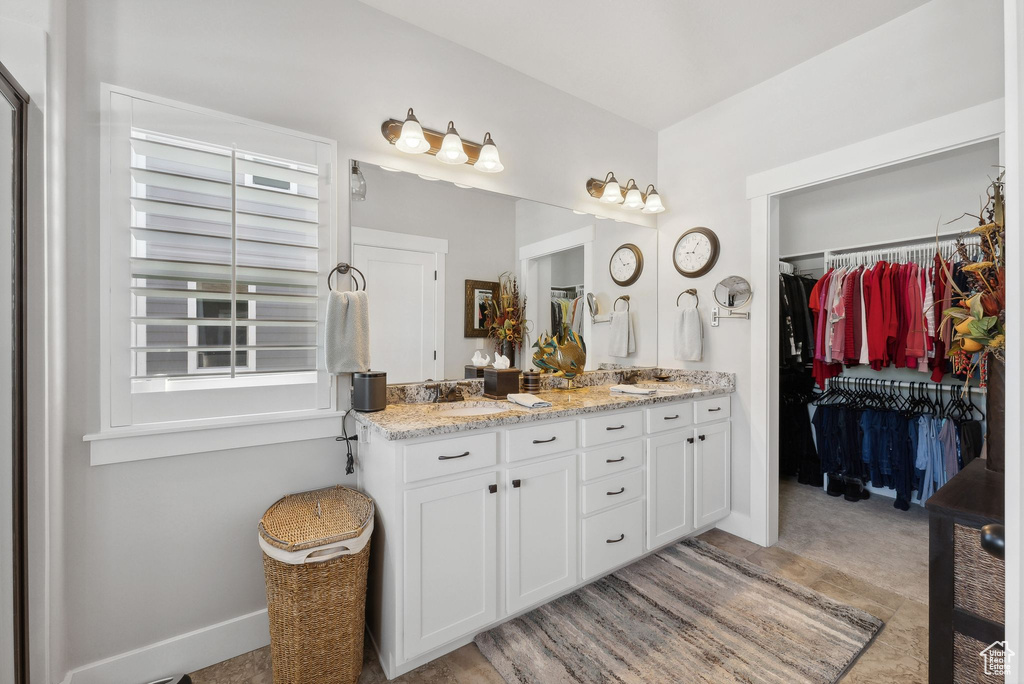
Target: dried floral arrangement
[(979, 319), (506, 317)]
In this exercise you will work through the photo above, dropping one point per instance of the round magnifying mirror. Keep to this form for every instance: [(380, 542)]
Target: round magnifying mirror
[(733, 292)]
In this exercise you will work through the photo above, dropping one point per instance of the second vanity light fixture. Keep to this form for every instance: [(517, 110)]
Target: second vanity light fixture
[(410, 137), (610, 192)]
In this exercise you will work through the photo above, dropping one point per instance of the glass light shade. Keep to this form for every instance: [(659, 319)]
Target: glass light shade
[(411, 141), (653, 204), (612, 193), (451, 151), (488, 161), (357, 184), (634, 200)]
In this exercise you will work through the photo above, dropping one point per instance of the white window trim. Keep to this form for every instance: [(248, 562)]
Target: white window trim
[(133, 443)]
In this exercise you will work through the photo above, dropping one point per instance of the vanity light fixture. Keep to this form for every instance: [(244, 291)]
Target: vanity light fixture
[(411, 140), (652, 203), (462, 185), (427, 178), (449, 148), (391, 169), (610, 192), (451, 151), (579, 213), (634, 199), (357, 183)]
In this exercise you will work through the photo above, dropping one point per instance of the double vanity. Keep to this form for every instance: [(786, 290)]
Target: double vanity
[(487, 509)]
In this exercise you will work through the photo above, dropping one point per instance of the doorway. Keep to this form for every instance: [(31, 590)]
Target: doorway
[(13, 555)]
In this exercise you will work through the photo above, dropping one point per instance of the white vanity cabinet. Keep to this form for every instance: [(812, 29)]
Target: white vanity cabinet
[(480, 525)]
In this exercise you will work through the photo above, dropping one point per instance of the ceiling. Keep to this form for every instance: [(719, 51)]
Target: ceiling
[(653, 62)]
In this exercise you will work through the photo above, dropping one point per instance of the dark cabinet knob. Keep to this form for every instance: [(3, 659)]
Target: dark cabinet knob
[(700, 437), (517, 483), (993, 540), (493, 489), (689, 440)]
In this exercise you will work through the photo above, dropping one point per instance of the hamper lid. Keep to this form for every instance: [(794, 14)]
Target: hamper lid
[(317, 518)]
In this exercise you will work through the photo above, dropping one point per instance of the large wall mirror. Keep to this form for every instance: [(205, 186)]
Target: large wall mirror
[(13, 589), (433, 253)]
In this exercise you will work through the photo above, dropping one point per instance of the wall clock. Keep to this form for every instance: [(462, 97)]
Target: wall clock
[(626, 264), (696, 252)]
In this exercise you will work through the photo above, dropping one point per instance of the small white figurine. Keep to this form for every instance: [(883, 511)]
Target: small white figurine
[(480, 360), (501, 362)]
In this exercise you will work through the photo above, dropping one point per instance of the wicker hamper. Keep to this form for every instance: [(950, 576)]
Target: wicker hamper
[(316, 549)]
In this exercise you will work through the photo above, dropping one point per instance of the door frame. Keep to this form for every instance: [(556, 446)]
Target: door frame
[(529, 253), (960, 129), (10, 88), (371, 237)]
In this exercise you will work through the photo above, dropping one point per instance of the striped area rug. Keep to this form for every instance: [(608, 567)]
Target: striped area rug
[(689, 613)]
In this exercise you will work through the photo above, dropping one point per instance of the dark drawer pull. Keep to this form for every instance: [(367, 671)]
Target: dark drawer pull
[(700, 437), (492, 488), (672, 417), (615, 428), (517, 483), (620, 459), (448, 458), (618, 492), (544, 441), (712, 410), (689, 440), (615, 541)]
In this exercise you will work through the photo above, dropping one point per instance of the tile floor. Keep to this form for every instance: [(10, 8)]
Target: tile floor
[(898, 655)]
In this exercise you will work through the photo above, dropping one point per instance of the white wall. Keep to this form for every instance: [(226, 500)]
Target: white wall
[(892, 204), (158, 548), (942, 57), (480, 228)]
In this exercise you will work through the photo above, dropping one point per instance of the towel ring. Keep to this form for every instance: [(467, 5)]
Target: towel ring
[(693, 292), (346, 269), (624, 298)]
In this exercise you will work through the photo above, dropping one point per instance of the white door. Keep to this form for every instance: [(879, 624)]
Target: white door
[(450, 561), (405, 333), (669, 484), (541, 531), (712, 469)]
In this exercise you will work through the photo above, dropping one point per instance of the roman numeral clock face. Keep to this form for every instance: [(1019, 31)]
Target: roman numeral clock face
[(696, 252)]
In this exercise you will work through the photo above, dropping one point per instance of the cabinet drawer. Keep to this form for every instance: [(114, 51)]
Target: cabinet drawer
[(613, 459), (450, 456), (605, 429), (669, 417), (613, 490), (708, 410), (540, 440), (612, 538)]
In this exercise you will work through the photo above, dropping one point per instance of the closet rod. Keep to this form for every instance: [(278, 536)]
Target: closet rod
[(866, 246), (850, 382)]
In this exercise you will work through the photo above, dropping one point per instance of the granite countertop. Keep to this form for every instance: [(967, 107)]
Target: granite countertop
[(408, 421)]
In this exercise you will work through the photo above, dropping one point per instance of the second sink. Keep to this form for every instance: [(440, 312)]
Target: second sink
[(471, 409)]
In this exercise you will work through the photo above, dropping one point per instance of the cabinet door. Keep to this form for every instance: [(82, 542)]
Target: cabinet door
[(541, 531), (450, 561), (669, 487), (712, 471)]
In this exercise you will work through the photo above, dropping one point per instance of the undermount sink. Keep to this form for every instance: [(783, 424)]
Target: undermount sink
[(472, 409)]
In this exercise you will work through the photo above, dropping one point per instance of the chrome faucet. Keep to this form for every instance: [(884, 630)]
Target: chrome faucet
[(629, 377)]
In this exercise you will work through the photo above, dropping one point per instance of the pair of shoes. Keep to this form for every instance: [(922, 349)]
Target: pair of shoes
[(855, 491), (836, 486)]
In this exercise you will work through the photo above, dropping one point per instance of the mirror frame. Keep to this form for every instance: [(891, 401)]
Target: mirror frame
[(19, 99), (714, 293)]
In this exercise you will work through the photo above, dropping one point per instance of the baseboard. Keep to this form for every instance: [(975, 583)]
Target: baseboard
[(180, 654)]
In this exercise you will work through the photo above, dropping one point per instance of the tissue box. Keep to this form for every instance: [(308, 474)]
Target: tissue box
[(498, 384), (474, 372)]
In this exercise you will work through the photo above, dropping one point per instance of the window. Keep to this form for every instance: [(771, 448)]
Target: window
[(219, 239)]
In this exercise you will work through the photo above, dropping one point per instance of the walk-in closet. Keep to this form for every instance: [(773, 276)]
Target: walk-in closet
[(874, 416)]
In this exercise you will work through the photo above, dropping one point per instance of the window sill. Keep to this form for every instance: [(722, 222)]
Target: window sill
[(122, 445)]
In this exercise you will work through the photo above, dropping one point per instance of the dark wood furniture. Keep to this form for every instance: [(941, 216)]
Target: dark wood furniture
[(966, 586)]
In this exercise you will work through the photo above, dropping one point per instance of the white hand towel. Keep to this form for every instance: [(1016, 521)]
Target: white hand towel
[(528, 400), (347, 330), (689, 342), (622, 341), (633, 389)]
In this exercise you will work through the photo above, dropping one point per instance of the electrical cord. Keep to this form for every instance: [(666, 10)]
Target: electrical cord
[(350, 460)]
